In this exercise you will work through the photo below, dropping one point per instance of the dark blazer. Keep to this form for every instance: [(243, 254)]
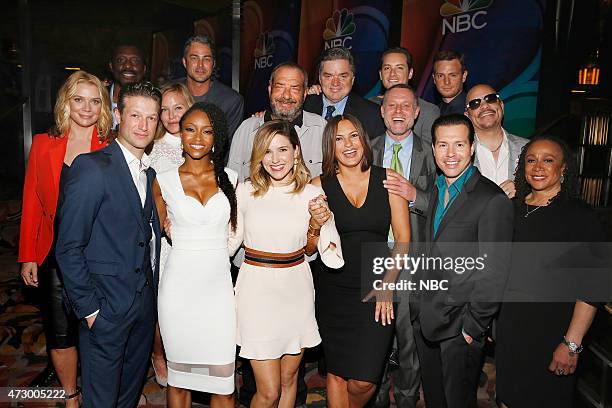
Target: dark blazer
[(422, 177), (367, 112), (100, 247), (478, 222), (40, 192)]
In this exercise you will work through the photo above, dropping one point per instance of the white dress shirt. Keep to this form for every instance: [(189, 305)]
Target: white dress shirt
[(496, 171)]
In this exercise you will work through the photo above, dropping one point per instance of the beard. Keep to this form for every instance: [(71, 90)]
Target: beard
[(288, 115)]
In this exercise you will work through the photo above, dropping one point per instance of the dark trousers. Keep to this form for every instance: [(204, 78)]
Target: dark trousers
[(115, 354), (449, 370), (405, 376)]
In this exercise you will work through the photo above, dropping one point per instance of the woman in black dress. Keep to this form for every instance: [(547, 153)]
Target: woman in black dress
[(538, 344), (356, 333)]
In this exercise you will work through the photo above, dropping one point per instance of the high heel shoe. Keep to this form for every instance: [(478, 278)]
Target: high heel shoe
[(163, 381)]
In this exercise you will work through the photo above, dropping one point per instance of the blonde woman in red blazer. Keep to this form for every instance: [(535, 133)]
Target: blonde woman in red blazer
[(82, 124)]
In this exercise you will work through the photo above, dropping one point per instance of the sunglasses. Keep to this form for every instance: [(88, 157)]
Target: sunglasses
[(475, 103)]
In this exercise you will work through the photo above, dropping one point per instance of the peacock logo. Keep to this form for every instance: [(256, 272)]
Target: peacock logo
[(452, 7), (264, 50), (265, 45), (338, 29)]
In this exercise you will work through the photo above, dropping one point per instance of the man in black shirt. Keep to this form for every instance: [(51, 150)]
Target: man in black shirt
[(449, 75)]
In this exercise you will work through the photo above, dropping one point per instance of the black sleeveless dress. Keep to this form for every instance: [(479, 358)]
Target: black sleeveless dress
[(355, 345)]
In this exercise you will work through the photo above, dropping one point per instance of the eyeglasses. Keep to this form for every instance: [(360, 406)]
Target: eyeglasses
[(475, 103)]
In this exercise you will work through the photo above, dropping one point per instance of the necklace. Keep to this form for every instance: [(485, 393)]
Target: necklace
[(497, 148), (537, 207), (529, 212)]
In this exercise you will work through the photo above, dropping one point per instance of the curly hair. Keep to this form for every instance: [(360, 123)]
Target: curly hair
[(61, 111), (570, 187), (219, 125)]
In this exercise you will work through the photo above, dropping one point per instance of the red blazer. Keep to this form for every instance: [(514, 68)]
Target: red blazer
[(40, 194)]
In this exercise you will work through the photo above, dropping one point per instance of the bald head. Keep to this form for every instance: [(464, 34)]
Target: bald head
[(485, 109)]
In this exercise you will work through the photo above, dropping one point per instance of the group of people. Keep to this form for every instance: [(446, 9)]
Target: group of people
[(132, 243)]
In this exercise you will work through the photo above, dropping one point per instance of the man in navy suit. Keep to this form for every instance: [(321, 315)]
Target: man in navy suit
[(107, 247), (336, 96)]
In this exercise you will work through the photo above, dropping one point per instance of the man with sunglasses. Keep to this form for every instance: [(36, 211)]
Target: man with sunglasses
[(497, 151)]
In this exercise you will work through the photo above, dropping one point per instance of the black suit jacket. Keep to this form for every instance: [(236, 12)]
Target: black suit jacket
[(367, 112), (479, 221), (422, 177)]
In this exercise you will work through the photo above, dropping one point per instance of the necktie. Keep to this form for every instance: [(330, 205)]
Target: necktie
[(396, 165), (329, 112)]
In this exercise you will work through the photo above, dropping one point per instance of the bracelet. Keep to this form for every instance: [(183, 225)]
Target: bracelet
[(313, 232)]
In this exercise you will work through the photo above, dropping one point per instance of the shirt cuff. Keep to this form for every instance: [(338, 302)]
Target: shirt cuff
[(93, 314)]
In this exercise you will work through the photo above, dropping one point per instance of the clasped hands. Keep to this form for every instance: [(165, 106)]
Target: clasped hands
[(319, 211)]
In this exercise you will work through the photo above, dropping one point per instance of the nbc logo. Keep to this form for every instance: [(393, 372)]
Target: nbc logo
[(457, 18), (338, 29), (264, 50)]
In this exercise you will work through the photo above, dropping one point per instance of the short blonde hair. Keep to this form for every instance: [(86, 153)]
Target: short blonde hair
[(61, 111), (260, 179), (166, 89)]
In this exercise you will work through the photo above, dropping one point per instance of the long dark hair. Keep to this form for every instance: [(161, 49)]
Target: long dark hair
[(330, 165), (570, 187), (219, 125)]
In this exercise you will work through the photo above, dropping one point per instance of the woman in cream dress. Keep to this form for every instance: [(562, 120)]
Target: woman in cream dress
[(280, 219)]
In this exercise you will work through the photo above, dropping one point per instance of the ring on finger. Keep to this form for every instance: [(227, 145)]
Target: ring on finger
[(560, 371)]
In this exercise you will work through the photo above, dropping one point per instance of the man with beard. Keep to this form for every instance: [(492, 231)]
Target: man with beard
[(128, 67), (199, 62), (287, 90), (497, 151)]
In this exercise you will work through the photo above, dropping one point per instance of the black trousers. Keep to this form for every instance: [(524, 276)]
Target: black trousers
[(449, 370), (115, 354)]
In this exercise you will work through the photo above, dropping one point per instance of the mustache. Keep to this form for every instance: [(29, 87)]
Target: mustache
[(486, 111), (286, 100)]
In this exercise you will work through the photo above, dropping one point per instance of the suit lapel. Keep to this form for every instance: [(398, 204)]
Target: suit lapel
[(126, 183), (57, 151), (378, 150), (459, 202), (416, 161)]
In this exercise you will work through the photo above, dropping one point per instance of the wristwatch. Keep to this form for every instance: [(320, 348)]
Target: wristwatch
[(573, 347)]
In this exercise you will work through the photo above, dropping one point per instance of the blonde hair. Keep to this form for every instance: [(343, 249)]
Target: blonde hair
[(181, 90), (61, 111), (260, 179)]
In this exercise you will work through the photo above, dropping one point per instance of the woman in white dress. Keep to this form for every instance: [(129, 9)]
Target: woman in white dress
[(280, 219), (196, 307), (166, 154)]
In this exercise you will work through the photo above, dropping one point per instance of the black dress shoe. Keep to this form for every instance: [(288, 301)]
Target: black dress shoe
[(46, 378)]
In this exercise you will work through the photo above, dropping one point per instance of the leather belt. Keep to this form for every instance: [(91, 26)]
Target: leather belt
[(273, 260)]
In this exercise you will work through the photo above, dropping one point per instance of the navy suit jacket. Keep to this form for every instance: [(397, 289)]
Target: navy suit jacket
[(367, 112), (101, 238)]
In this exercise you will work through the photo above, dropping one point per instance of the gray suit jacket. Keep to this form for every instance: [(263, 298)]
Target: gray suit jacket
[(515, 146), (422, 177), (427, 115)]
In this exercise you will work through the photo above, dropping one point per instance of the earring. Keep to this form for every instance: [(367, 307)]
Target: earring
[(213, 149), (562, 179), (295, 162)]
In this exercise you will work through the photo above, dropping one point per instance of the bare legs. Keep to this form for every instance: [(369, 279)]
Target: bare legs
[(65, 363), (276, 381), (349, 393), (158, 358), (181, 398)]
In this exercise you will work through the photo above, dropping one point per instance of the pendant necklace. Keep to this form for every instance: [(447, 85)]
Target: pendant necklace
[(529, 212)]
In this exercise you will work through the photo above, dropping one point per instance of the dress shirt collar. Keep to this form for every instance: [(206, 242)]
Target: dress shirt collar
[(132, 160), (340, 105)]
